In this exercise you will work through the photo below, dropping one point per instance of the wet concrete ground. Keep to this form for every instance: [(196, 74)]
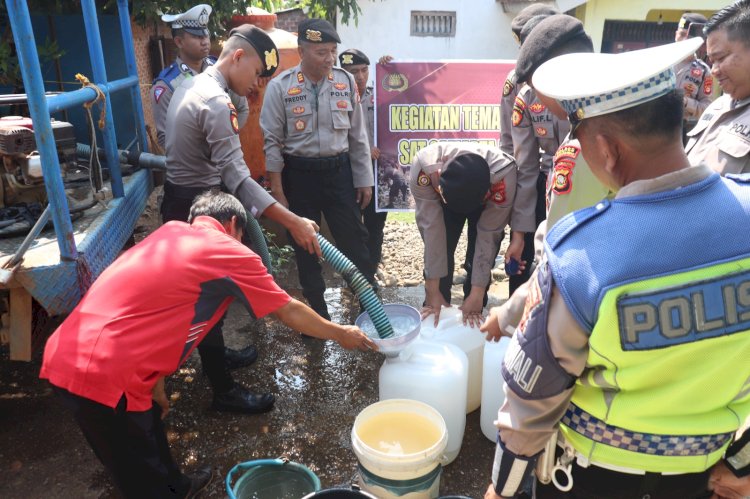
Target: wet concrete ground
[(319, 388)]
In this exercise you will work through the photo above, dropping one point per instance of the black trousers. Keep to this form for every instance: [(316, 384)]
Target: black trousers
[(330, 192), (454, 226), (211, 349), (131, 445), (528, 239), (599, 483), (374, 223)]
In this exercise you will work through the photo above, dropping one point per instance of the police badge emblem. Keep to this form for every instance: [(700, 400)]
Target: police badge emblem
[(497, 192), (423, 179), (507, 88), (314, 35), (299, 125)]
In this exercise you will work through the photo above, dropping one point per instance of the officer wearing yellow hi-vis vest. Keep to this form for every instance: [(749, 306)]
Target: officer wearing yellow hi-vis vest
[(633, 345)]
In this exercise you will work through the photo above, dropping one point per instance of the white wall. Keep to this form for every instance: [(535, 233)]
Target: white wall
[(482, 31)]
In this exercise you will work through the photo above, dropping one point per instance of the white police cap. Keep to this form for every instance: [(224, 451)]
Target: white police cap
[(589, 84), (194, 21)]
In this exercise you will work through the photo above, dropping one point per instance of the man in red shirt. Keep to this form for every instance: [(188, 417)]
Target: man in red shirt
[(139, 322)]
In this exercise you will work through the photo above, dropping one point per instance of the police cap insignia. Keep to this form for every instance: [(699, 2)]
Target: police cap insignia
[(353, 57), (263, 45), (272, 59), (423, 179), (317, 31), (580, 114)]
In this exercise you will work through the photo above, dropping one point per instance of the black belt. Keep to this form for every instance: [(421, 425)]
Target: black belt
[(182, 192), (316, 164)]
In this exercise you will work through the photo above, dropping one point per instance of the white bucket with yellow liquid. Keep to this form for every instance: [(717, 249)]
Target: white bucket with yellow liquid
[(400, 444)]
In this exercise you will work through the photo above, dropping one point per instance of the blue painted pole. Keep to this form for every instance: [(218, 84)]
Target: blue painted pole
[(23, 35), (66, 100), (135, 92), (96, 54)]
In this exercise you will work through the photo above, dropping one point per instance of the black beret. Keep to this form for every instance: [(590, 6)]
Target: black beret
[(352, 57), (689, 18), (535, 9), (262, 44), (530, 25), (317, 31), (465, 182), (548, 39)]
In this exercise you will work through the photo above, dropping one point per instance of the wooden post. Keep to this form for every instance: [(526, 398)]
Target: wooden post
[(20, 324)]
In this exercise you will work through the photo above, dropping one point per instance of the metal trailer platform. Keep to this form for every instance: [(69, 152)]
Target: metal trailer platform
[(58, 284)]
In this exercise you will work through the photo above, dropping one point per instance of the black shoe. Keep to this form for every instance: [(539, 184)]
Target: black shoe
[(199, 480), (235, 359), (320, 307), (240, 399)]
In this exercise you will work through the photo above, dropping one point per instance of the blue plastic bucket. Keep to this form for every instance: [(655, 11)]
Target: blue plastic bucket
[(271, 479)]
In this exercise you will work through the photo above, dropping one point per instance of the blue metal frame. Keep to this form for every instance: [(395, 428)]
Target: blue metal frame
[(40, 106), (59, 286)]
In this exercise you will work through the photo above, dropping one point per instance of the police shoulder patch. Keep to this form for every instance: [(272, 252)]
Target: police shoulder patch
[(233, 118), (519, 106), (507, 87), (158, 91), (497, 192), (567, 151)]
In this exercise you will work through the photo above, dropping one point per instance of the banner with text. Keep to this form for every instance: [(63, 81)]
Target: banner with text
[(419, 103)]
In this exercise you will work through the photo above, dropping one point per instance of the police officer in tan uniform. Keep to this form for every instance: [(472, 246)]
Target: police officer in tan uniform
[(190, 34), (317, 154), (204, 153), (721, 139), (358, 64), (454, 183), (537, 132), (511, 87), (693, 75)]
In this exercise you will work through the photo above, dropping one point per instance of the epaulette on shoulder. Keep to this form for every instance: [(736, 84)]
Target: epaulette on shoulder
[(168, 74), (211, 60), (572, 222)]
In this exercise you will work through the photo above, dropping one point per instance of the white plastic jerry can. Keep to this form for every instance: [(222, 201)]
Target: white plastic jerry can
[(493, 389), (470, 340), (435, 373)]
